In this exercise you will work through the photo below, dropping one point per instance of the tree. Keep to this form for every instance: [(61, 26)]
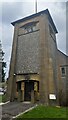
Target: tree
[(3, 67)]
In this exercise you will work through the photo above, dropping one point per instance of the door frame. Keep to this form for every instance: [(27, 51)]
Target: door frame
[(28, 87)]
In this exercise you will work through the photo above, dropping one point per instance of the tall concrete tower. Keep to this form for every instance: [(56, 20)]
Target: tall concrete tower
[(33, 65)]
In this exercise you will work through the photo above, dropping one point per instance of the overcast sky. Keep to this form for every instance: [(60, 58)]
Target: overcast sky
[(16, 9)]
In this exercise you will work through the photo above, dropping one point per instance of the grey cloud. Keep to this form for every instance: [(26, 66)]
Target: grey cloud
[(7, 35), (61, 42), (11, 11), (59, 15), (17, 10)]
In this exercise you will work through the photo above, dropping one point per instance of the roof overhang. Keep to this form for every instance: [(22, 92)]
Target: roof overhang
[(35, 15)]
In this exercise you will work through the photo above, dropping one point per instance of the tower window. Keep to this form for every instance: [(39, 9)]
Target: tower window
[(63, 70), (30, 27)]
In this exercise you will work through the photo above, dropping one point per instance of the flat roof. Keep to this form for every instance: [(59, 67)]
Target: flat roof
[(35, 15)]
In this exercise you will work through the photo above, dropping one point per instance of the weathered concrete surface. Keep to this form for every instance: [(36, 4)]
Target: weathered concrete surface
[(14, 108), (0, 112)]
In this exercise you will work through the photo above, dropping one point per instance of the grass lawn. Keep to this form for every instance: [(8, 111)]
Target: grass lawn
[(3, 98), (45, 112)]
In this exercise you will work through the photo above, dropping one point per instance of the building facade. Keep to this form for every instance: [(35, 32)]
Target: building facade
[(33, 74), (0, 62), (62, 78)]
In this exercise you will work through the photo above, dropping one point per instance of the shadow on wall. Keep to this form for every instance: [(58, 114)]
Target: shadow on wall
[(63, 98)]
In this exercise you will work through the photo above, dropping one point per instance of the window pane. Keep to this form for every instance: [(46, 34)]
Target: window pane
[(63, 70)]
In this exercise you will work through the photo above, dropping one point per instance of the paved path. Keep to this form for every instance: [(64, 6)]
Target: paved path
[(14, 108)]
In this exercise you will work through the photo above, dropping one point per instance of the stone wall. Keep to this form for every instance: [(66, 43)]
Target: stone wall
[(61, 63), (53, 62), (62, 79), (27, 59), (34, 52), (0, 71)]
